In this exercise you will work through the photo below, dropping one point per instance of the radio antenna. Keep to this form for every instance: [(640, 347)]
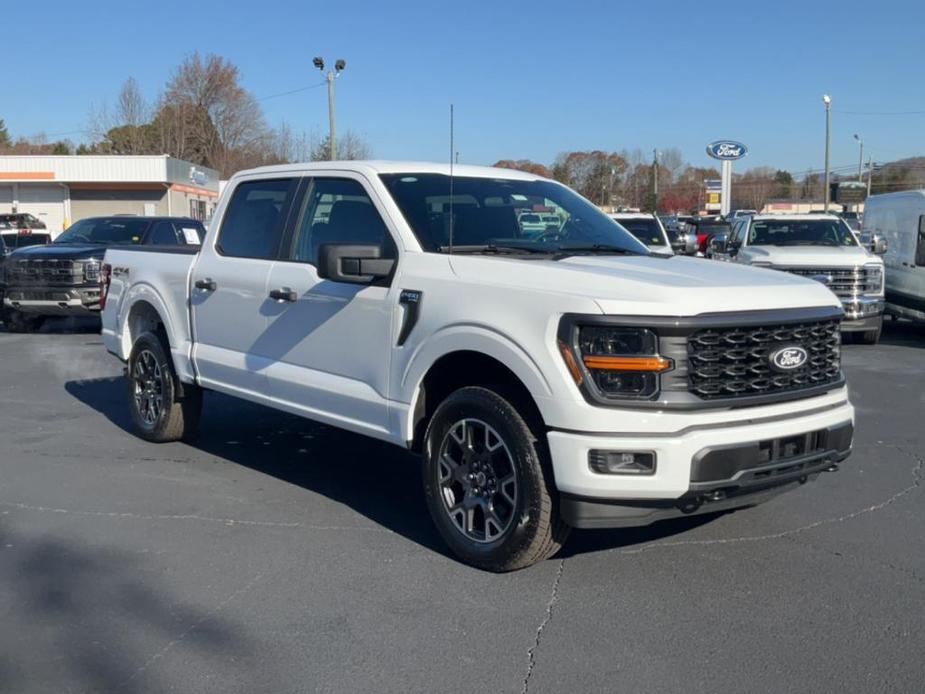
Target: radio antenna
[(451, 179)]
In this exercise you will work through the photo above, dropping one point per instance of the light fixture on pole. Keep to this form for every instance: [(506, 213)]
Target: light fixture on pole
[(827, 100), (339, 66)]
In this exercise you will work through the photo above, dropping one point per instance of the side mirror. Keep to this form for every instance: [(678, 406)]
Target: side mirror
[(719, 243), (353, 264), (690, 244), (878, 244)]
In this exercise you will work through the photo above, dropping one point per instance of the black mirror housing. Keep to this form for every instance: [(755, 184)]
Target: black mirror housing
[(353, 264)]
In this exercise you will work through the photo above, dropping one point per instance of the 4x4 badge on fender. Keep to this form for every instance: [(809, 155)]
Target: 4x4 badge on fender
[(788, 358)]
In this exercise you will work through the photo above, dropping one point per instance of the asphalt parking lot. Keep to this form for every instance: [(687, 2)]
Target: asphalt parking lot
[(276, 555)]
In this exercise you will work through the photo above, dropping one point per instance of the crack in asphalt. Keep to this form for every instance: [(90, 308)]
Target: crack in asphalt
[(916, 483), (906, 571), (531, 652), (189, 517), (192, 627)]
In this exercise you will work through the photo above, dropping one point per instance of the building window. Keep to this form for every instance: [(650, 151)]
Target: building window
[(197, 210)]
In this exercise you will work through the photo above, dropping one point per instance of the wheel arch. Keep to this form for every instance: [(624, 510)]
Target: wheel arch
[(469, 367)]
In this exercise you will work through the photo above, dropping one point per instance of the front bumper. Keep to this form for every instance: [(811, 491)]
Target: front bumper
[(54, 301), (722, 479), (862, 314), (677, 452)]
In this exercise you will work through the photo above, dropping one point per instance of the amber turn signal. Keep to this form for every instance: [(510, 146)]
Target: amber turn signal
[(603, 363), (570, 362)]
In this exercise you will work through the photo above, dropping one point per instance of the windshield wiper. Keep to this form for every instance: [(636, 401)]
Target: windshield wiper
[(603, 248), (499, 248)]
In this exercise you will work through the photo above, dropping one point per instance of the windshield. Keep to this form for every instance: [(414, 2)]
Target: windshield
[(23, 240), (486, 215), (646, 230), (815, 232), (112, 230)]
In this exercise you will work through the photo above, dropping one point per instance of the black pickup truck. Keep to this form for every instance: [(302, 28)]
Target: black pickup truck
[(63, 277)]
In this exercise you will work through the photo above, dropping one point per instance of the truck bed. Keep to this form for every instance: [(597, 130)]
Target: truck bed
[(145, 277)]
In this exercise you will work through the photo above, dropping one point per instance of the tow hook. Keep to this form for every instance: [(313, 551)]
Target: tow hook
[(715, 495)]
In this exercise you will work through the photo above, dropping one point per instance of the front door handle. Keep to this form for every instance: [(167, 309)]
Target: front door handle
[(207, 284), (284, 294)]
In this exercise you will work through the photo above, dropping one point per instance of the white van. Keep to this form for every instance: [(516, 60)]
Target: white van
[(900, 219)]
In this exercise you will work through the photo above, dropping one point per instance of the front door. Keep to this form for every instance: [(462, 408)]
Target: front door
[(331, 341), (229, 288)]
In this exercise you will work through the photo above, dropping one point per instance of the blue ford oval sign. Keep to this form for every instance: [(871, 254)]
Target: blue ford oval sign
[(727, 150)]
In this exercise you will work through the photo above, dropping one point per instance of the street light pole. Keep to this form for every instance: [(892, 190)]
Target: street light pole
[(339, 66), (827, 100), (860, 157), (655, 178)]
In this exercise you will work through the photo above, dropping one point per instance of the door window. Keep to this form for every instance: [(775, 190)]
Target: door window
[(920, 244), (253, 224), (338, 210), (163, 234)]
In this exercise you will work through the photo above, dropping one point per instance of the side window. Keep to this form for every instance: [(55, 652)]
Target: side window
[(338, 210), (740, 233), (920, 244), (163, 234), (253, 223)]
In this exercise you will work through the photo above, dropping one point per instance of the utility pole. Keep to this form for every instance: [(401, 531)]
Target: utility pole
[(339, 66), (827, 100), (860, 156), (870, 173)]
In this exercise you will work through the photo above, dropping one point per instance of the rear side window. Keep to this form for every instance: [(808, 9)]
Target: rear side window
[(253, 224), (163, 234)]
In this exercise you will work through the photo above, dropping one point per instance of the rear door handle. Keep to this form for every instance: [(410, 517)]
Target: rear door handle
[(284, 294), (207, 284)]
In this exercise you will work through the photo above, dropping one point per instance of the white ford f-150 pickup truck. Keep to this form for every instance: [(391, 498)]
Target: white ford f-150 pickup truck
[(563, 379)]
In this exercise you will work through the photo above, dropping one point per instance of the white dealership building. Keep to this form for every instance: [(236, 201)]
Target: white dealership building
[(60, 190)]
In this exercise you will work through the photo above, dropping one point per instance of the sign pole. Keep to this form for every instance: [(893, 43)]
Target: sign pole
[(726, 194)]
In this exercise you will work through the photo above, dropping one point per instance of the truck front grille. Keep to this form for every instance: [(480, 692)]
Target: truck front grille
[(846, 283), (44, 272), (736, 362)]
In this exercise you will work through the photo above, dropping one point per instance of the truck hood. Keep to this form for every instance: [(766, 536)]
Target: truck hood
[(813, 256), (656, 286), (60, 251)]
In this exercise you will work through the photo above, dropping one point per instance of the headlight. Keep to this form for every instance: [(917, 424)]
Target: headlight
[(92, 271), (873, 279), (615, 362)]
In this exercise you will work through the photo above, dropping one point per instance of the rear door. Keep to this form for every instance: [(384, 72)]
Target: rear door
[(332, 342), (228, 291)]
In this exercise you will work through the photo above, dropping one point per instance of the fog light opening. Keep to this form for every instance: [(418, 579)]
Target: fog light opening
[(622, 462)]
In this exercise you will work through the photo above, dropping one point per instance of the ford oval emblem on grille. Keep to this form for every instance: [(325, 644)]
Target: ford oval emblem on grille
[(788, 358)]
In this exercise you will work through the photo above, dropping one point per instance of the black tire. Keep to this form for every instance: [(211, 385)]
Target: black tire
[(159, 414), (19, 322), (527, 509)]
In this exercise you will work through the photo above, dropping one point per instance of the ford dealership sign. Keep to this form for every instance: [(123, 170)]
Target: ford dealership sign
[(727, 150)]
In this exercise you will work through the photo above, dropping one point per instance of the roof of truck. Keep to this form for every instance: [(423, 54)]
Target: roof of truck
[(394, 167), (796, 217)]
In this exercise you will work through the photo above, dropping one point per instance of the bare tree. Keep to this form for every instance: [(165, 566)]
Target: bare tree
[(133, 114), (350, 145)]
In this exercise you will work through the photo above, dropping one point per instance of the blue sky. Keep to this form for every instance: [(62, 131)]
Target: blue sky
[(528, 79)]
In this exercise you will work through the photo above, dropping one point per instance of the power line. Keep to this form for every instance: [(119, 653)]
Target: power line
[(880, 113), (291, 91)]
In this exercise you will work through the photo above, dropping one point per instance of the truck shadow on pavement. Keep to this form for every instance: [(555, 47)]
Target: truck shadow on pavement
[(903, 333), (89, 619), (377, 480)]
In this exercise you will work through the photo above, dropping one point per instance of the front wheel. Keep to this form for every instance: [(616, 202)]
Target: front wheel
[(487, 483), (158, 412)]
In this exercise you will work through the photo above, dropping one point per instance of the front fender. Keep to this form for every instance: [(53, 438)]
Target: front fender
[(467, 337)]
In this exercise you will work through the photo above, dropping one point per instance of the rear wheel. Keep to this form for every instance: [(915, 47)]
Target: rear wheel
[(159, 412), (487, 483)]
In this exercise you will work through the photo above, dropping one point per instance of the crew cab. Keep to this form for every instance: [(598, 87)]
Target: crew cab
[(62, 278), (569, 378), (820, 246)]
